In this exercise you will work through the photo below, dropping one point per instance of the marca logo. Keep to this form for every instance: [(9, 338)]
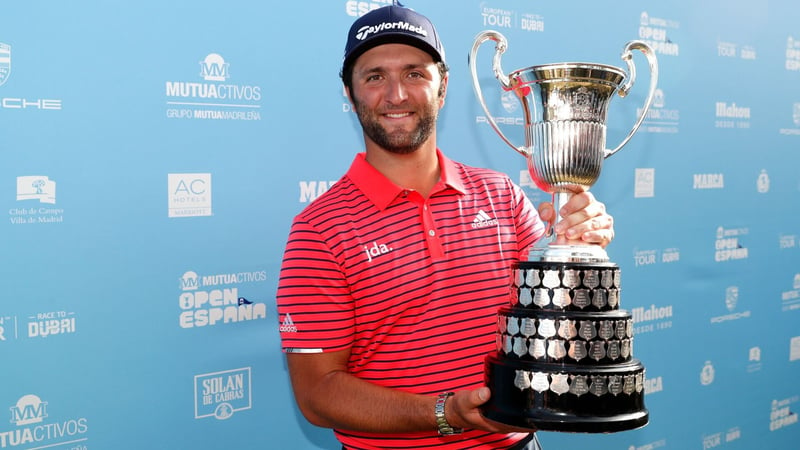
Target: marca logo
[(5, 62), (310, 190)]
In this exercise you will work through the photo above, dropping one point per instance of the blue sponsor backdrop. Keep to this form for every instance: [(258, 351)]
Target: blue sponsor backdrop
[(153, 154)]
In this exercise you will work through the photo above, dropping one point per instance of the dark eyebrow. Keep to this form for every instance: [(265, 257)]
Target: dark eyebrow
[(379, 69)]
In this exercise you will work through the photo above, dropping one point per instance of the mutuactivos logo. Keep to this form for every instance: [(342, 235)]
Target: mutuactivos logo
[(368, 30)]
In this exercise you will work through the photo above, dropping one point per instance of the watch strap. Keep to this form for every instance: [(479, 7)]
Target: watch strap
[(441, 422)]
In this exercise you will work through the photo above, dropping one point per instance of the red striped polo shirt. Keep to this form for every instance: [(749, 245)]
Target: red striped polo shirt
[(411, 286)]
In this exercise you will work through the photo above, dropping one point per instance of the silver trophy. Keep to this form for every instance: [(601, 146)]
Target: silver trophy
[(565, 107), (564, 354)]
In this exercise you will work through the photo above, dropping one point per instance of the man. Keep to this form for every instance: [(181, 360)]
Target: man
[(393, 277)]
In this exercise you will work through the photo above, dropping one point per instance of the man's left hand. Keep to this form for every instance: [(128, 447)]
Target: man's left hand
[(584, 220)]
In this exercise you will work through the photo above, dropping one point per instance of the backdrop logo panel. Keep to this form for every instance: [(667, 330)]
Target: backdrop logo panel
[(645, 182), (714, 440), (707, 374), (51, 323), (38, 325), (792, 54), (310, 190), (794, 349), (499, 17), (754, 360), (41, 190), (189, 194), (731, 115), (728, 247), (791, 298), (726, 49), (650, 446), (731, 301), (220, 394), (782, 414), (654, 31), (795, 120), (36, 426), (787, 241), (16, 102), (5, 62), (655, 256), (762, 182), (660, 118), (36, 187), (708, 181), (4, 322), (215, 299), (355, 8), (214, 98), (651, 319)]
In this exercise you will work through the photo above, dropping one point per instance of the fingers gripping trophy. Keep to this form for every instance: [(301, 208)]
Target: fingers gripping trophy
[(564, 358)]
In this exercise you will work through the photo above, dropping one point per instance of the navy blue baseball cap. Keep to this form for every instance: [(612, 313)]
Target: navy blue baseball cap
[(392, 24)]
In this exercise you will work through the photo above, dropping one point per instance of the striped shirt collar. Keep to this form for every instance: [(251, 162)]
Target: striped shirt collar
[(382, 192)]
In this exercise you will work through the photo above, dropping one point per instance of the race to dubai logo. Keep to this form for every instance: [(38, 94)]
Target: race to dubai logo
[(215, 97), (5, 62)]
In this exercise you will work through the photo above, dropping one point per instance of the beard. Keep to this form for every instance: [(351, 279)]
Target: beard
[(397, 141)]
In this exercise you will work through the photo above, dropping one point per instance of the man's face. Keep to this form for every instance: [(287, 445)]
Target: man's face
[(397, 93)]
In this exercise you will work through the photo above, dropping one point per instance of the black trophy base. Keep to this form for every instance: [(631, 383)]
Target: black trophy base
[(599, 399)]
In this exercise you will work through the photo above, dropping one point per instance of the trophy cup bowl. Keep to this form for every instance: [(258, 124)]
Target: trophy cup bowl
[(564, 354), (564, 111)]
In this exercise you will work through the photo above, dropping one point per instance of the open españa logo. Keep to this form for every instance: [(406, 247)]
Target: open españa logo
[(220, 394)]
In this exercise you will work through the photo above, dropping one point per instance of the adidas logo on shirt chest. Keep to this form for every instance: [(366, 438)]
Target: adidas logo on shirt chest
[(483, 220)]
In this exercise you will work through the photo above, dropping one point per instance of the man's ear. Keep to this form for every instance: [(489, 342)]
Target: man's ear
[(443, 90), (348, 95)]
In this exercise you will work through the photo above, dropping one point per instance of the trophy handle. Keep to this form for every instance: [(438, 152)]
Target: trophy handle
[(500, 48), (627, 56)]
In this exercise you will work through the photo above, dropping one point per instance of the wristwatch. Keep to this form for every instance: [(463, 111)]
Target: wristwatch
[(444, 428)]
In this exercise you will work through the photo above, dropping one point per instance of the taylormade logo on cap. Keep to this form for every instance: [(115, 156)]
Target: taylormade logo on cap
[(368, 30)]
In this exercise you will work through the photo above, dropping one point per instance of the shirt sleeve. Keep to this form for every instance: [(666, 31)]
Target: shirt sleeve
[(315, 307)]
